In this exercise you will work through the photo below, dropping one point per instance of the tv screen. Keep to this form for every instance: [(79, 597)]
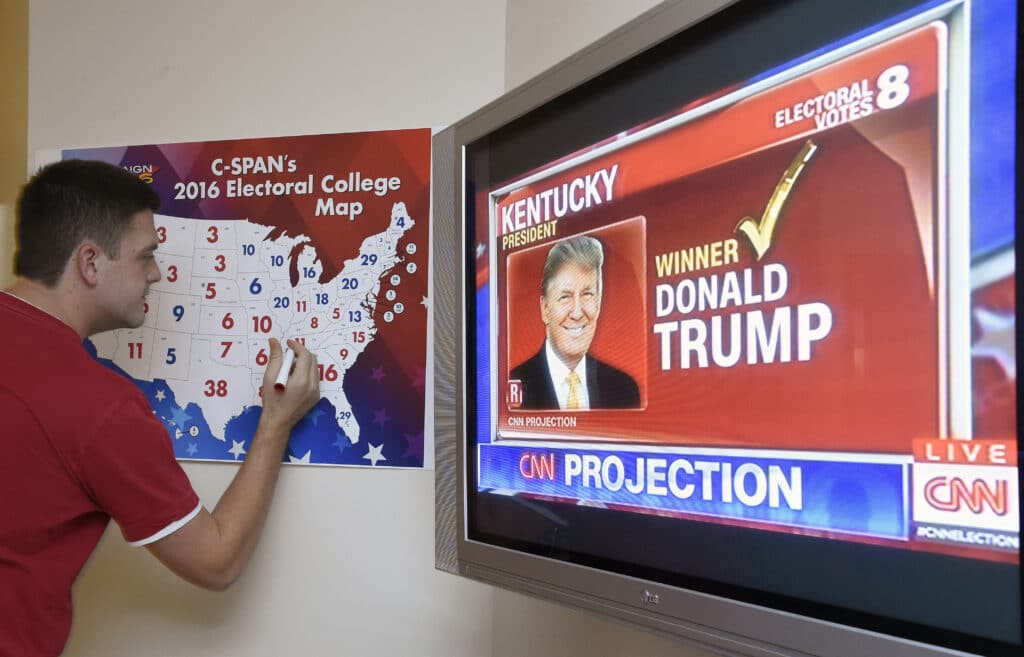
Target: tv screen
[(740, 322)]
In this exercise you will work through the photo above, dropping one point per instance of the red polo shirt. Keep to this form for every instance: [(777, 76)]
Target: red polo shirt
[(79, 445)]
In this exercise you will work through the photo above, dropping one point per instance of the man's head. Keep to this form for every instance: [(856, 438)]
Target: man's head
[(570, 299), (68, 202), (85, 231)]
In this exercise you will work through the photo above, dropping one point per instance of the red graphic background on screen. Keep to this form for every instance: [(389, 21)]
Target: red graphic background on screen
[(857, 238), (849, 238)]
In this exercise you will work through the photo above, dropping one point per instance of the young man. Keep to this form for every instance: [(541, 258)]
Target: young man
[(563, 375), (79, 443)]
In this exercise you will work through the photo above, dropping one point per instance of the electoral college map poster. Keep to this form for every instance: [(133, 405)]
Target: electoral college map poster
[(321, 238)]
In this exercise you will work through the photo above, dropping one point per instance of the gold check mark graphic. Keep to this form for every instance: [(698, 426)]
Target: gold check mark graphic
[(760, 233)]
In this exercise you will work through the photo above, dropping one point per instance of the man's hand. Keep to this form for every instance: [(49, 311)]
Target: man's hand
[(282, 409), (212, 548)]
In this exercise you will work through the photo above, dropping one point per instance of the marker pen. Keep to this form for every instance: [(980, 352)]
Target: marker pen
[(286, 368)]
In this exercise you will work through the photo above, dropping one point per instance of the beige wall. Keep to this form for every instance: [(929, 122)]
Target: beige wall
[(540, 33), (13, 121)]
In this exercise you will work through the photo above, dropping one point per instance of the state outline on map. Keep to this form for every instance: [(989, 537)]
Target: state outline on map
[(214, 305)]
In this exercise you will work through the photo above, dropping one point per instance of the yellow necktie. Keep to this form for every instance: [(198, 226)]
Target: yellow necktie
[(574, 390)]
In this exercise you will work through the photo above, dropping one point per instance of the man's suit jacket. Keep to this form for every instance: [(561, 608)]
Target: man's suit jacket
[(607, 386)]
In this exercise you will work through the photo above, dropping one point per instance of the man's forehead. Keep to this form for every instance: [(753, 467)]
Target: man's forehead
[(576, 281), (574, 276), (141, 232), (571, 270)]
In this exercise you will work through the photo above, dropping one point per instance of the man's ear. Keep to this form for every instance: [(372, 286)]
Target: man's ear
[(87, 260)]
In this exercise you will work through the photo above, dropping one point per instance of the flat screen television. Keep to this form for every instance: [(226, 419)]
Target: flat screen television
[(726, 329)]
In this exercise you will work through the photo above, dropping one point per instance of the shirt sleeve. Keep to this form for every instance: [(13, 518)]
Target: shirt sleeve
[(129, 468)]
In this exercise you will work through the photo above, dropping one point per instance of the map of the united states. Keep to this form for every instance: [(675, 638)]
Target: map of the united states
[(227, 287)]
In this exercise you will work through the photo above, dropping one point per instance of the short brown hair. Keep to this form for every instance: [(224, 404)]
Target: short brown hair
[(67, 202)]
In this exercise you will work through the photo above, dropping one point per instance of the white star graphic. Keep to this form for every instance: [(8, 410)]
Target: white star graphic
[(480, 249), (160, 395), (997, 340), (236, 448), (298, 459), (375, 454), (425, 302)]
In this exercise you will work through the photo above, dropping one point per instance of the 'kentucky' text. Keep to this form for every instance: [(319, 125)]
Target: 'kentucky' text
[(576, 195)]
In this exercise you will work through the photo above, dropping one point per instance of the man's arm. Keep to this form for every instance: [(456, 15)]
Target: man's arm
[(212, 549)]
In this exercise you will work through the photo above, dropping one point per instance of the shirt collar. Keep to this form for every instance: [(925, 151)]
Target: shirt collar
[(558, 369), (48, 315)]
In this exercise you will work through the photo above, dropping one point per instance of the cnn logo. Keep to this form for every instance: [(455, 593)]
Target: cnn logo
[(973, 496), (955, 493)]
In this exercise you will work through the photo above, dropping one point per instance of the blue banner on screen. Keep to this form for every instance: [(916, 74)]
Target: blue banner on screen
[(847, 493)]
